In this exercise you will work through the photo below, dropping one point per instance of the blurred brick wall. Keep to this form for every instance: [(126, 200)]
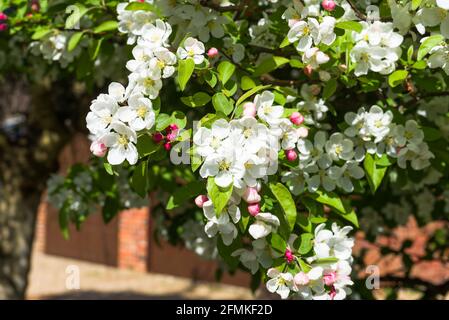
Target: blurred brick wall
[(126, 242), (133, 238)]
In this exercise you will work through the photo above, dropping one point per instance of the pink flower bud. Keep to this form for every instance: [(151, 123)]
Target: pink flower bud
[(301, 279), (173, 127), (212, 53), (308, 70), (3, 27), (172, 136), (167, 146), (251, 195), (254, 209), (328, 5), (249, 109), (3, 16), (98, 149), (200, 200), (303, 132), (291, 155), (296, 118), (289, 256), (158, 137), (330, 278), (35, 7)]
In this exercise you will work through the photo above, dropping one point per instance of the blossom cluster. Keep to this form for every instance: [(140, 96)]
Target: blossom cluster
[(376, 48), (329, 269), (116, 118), (53, 47), (241, 153), (336, 161)]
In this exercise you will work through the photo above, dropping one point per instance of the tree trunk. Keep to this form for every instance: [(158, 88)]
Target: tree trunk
[(28, 155), (18, 208)]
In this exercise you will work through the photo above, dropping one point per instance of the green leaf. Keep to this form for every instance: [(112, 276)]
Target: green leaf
[(415, 4), (195, 159), (304, 243), (185, 71), (139, 179), (137, 5), (74, 40), (219, 196), (248, 94), (270, 64), (325, 261), (94, 48), (110, 208), (178, 118), (106, 26), (40, 33), (226, 252), (419, 65), (75, 17), (330, 199), (304, 266), (284, 197), (431, 134), (374, 174), (163, 120), (410, 54), (428, 44), (225, 71), (210, 78), (284, 43), (184, 193), (397, 77), (278, 243), (146, 145), (199, 99), (63, 219), (108, 168), (349, 25), (222, 103), (246, 83), (329, 89)]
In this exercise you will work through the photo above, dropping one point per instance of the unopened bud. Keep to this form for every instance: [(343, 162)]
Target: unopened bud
[(254, 209), (212, 53)]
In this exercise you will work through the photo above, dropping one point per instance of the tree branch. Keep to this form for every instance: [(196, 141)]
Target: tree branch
[(357, 12)]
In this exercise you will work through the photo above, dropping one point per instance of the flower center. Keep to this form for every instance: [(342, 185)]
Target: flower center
[(224, 165), (148, 82), (378, 124), (142, 111), (248, 132), (306, 30), (123, 140), (267, 110), (408, 134), (161, 64), (338, 149)]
